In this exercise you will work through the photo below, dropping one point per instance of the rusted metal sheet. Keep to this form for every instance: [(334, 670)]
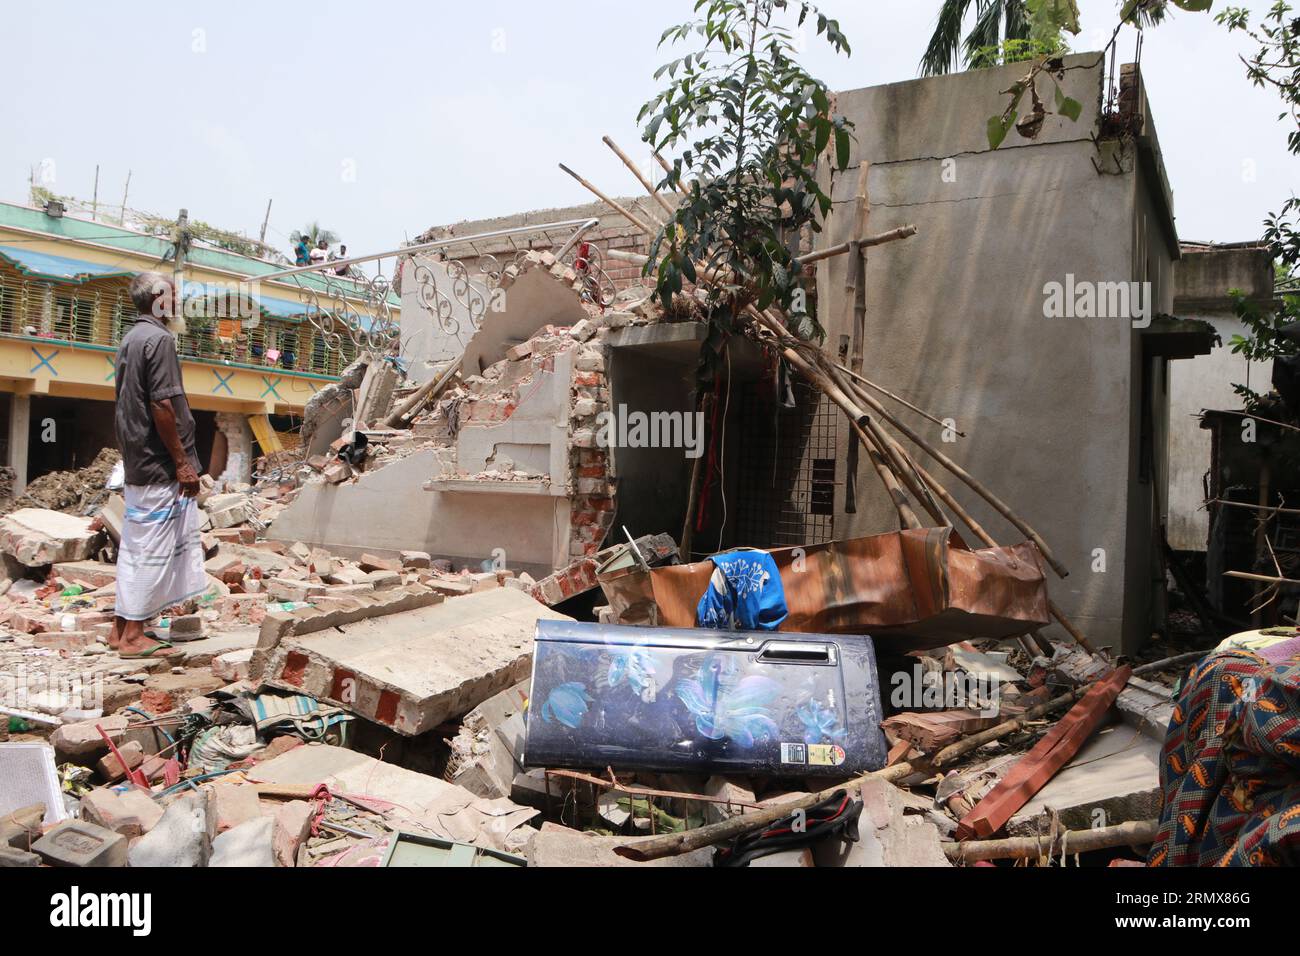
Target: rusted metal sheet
[(911, 589)]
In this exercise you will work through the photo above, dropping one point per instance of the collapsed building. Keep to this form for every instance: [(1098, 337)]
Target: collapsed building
[(463, 621)]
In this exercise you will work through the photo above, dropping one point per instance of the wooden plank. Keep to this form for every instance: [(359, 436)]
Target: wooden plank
[(931, 730)]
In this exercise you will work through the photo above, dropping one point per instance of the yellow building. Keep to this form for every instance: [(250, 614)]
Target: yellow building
[(64, 306)]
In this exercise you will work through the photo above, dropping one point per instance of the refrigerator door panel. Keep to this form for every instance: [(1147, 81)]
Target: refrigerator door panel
[(703, 701)]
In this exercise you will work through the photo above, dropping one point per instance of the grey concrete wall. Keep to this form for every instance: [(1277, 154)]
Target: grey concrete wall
[(955, 316), (1204, 277), (388, 510)]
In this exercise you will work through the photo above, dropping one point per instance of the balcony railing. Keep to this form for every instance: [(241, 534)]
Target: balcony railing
[(98, 312)]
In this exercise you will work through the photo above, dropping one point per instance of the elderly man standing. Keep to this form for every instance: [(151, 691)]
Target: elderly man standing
[(160, 558)]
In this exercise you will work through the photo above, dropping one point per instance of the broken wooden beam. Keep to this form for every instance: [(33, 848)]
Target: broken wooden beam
[(1054, 751)]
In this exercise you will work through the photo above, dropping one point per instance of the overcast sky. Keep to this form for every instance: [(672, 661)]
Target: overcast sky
[(381, 119)]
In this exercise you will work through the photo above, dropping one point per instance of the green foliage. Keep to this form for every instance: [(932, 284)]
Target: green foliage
[(1049, 20), (1047, 23), (751, 126), (1014, 51), (1264, 340), (1276, 66), (998, 24), (314, 234)]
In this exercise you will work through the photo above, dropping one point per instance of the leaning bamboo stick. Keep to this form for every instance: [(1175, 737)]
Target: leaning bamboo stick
[(899, 461), (988, 540), (964, 746), (897, 398), (828, 387), (961, 473), (612, 203), (664, 164), (649, 186), (1132, 833), (425, 393), (1266, 578)]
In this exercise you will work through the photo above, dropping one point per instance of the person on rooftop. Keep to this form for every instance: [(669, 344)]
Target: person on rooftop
[(301, 252), (342, 254)]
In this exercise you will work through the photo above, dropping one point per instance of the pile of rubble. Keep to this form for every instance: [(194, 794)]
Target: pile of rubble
[(78, 492), (260, 744), (363, 705)]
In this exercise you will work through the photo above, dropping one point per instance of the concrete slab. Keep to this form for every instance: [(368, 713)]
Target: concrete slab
[(347, 771), (38, 536), (89, 574), (1113, 779), (888, 835), (417, 669), (200, 652)]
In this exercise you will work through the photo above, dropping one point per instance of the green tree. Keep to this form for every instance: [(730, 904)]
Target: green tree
[(751, 125), (1276, 66), (1049, 21), (1011, 31), (997, 22)]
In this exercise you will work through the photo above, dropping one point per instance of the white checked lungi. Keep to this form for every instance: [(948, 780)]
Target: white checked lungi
[(160, 557)]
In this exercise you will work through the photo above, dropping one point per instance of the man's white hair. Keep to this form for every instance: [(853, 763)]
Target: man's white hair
[(145, 290)]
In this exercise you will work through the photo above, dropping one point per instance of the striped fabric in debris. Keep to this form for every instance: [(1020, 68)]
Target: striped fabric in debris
[(160, 558), (307, 716), (1230, 766)]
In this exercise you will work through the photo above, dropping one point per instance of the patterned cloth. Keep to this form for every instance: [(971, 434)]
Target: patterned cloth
[(1230, 766), (744, 592), (160, 558)]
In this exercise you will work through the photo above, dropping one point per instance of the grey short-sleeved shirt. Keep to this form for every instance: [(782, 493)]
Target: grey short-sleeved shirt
[(148, 370)]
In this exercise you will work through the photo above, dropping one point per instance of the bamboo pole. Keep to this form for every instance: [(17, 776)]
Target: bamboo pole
[(613, 204), (897, 398), (905, 513), (899, 461), (855, 315), (1132, 833), (649, 187), (961, 473), (1008, 727), (988, 540), (421, 396), (693, 497), (1266, 578), (830, 252), (667, 167)]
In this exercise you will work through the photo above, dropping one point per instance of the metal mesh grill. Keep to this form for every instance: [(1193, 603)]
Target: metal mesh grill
[(787, 483)]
